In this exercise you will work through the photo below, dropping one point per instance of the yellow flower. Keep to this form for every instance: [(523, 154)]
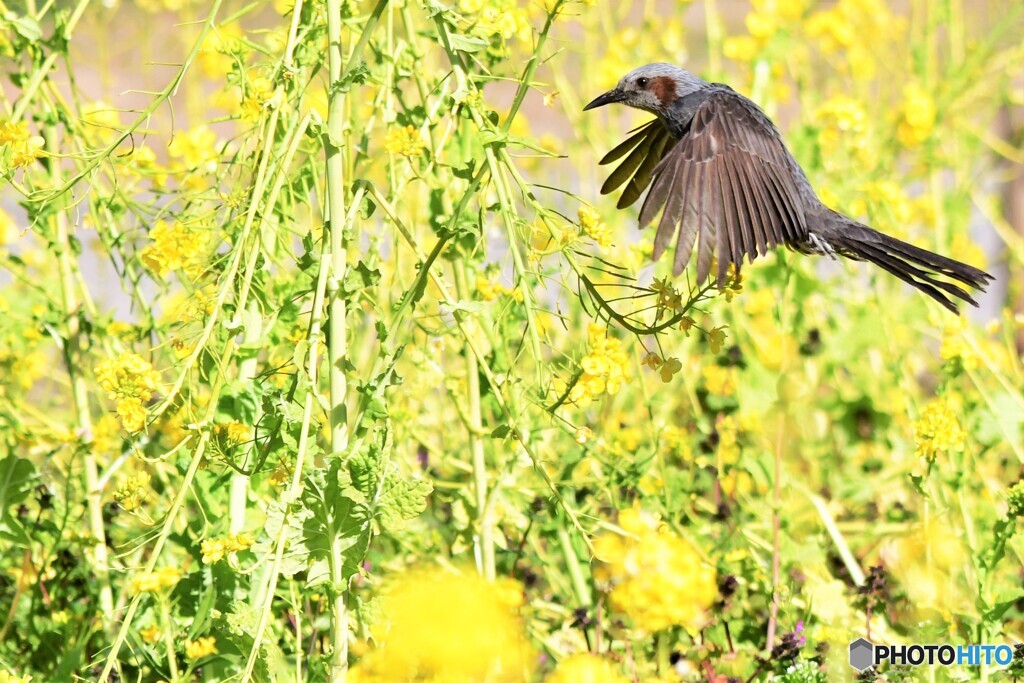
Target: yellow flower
[(148, 582), (605, 367), (841, 121), (131, 380), (129, 375), (450, 627), (215, 549), (586, 668), (236, 432), (151, 634), (716, 338), (204, 647), (197, 148), (132, 490), (592, 227), (930, 564), (24, 147), (404, 141), (132, 414), (728, 449), (6, 677), (957, 353), (655, 577), (174, 247), (938, 430), (718, 380), (669, 368), (917, 115)]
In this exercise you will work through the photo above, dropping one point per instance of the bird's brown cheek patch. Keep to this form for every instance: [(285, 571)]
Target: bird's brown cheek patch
[(664, 88)]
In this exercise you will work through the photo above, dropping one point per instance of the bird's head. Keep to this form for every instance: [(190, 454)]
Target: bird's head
[(653, 88)]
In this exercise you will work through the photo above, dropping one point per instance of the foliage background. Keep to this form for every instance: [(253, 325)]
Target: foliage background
[(301, 368)]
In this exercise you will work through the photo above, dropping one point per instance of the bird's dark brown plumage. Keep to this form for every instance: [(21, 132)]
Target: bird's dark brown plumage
[(726, 185)]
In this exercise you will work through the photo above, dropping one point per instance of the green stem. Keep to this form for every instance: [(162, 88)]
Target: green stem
[(73, 360), (337, 305), (484, 536)]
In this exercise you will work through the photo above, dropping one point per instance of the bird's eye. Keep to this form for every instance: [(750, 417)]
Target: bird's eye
[(642, 82)]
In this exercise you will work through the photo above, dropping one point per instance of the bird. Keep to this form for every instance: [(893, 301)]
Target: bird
[(725, 183)]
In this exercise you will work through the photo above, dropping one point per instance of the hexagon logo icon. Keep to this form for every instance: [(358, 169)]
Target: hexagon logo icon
[(862, 654)]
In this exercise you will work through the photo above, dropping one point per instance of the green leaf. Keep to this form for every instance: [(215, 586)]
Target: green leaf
[(357, 75), (401, 499), (358, 278), (26, 27), (466, 43)]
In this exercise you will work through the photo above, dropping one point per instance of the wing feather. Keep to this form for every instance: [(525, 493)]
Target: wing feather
[(727, 184)]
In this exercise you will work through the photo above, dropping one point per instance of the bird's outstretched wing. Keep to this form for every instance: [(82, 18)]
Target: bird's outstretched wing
[(728, 179), (647, 145)]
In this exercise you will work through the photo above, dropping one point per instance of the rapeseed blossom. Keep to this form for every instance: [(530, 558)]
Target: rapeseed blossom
[(444, 626), (592, 226), (586, 668), (938, 430), (174, 247), (655, 577), (605, 367), (406, 142), (131, 380), (204, 647), (149, 582)]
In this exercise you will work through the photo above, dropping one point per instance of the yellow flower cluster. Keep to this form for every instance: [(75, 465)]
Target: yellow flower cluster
[(235, 432), (174, 247), (592, 227), (131, 380), (929, 563), (149, 582), (655, 577), (151, 634), (132, 490), (841, 27), (955, 352), (442, 626), (23, 147), (258, 92), (666, 367), (938, 430), (490, 290), (917, 116), (718, 380), (196, 147), (204, 647), (216, 549), (404, 141), (605, 368), (766, 18), (841, 120), (728, 449), (586, 668), (499, 17), (6, 677)]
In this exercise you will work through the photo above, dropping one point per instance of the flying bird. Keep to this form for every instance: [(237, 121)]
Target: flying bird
[(724, 181)]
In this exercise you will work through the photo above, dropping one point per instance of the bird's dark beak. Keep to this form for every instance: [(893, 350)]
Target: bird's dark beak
[(610, 97)]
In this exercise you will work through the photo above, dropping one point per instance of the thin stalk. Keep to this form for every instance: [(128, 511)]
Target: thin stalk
[(572, 563), (217, 385), (73, 361), (484, 535), (337, 344), (247, 371)]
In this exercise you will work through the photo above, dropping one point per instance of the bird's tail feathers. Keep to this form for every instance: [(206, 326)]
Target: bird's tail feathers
[(917, 267)]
